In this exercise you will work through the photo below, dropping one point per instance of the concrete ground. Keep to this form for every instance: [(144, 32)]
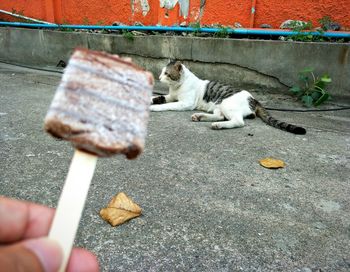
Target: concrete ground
[(207, 203)]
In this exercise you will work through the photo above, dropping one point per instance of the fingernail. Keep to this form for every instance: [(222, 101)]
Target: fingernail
[(48, 252)]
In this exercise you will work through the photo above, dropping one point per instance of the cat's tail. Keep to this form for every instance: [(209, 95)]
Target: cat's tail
[(262, 113)]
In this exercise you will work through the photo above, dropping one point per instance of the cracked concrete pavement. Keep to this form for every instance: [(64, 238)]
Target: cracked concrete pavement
[(207, 203)]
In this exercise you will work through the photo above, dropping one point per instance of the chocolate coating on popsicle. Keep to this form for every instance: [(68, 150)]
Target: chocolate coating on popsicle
[(101, 104)]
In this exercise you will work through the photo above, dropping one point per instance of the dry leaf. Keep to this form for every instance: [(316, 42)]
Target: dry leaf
[(120, 209), (272, 163), (117, 216), (122, 201)]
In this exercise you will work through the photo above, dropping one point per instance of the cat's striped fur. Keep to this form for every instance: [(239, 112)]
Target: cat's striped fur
[(227, 106), (216, 92)]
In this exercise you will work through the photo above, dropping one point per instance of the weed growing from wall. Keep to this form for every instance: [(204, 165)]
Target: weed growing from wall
[(128, 35), (196, 28), (312, 90), (222, 33)]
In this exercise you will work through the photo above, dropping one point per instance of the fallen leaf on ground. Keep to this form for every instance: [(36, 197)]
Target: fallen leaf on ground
[(122, 201), (117, 217), (272, 163), (120, 209)]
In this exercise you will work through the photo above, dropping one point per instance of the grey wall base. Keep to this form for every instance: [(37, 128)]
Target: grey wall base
[(241, 62)]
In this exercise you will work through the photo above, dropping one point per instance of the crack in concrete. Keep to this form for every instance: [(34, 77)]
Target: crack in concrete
[(216, 63)]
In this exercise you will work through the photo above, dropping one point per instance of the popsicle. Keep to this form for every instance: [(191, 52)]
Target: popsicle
[(102, 107)]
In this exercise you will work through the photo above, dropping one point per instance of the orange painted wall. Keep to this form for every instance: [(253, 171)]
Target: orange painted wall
[(31, 8), (223, 12), (274, 12), (227, 12)]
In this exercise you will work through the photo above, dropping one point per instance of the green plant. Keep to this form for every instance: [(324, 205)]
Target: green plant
[(128, 35), (222, 33), (325, 21), (303, 32), (313, 89), (196, 28), (300, 26)]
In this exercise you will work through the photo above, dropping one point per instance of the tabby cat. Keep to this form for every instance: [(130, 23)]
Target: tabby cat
[(226, 106)]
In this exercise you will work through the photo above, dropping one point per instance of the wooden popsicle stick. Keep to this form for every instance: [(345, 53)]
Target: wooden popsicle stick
[(71, 202)]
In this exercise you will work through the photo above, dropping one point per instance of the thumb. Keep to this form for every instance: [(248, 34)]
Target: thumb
[(35, 255)]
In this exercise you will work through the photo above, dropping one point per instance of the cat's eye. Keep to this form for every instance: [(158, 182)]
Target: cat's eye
[(166, 73)]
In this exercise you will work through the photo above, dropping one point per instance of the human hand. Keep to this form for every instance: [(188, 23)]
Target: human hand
[(24, 245)]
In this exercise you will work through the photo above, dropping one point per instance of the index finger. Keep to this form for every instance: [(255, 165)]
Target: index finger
[(21, 220)]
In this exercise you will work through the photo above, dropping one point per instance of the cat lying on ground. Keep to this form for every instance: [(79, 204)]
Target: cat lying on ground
[(226, 106)]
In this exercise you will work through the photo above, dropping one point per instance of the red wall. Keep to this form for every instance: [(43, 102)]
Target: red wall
[(274, 12), (223, 12)]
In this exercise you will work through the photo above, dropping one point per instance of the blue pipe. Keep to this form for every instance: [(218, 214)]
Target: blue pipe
[(238, 31)]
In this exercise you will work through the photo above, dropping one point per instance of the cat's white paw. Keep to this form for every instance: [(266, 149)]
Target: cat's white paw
[(156, 107), (196, 117), (153, 108), (216, 126)]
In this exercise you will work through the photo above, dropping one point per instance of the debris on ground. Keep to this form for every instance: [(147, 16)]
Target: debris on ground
[(120, 209), (272, 163)]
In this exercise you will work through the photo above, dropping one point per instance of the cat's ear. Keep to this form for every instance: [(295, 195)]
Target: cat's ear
[(178, 65)]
